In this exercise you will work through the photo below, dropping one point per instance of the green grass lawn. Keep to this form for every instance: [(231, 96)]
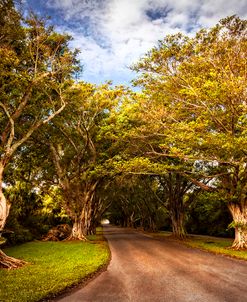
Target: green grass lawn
[(209, 243), (53, 266)]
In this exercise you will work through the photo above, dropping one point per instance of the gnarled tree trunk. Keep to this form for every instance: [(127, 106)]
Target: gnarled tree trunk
[(81, 211), (175, 187), (178, 229), (77, 231), (4, 209), (9, 262), (239, 214), (89, 209), (5, 261)]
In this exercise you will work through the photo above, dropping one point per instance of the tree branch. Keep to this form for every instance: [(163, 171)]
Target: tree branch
[(12, 132)]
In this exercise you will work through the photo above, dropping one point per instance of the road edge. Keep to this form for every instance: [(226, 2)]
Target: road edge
[(82, 283)]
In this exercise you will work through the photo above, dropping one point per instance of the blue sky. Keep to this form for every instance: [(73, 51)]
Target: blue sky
[(114, 34)]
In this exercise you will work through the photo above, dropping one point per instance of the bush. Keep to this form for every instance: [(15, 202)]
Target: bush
[(18, 236), (209, 215)]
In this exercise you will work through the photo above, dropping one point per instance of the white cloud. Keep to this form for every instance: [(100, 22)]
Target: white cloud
[(120, 31), (214, 10)]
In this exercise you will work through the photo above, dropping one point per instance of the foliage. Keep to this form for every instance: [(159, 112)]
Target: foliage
[(33, 212), (208, 215), (197, 84), (35, 69), (140, 156), (79, 148), (195, 105), (134, 203)]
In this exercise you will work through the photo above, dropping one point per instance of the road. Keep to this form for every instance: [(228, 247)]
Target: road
[(146, 269)]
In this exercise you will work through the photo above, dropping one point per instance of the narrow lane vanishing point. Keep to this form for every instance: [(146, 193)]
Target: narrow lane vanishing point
[(148, 270)]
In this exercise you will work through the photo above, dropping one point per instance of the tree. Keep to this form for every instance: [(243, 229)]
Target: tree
[(198, 88), (174, 195), (36, 65), (79, 150)]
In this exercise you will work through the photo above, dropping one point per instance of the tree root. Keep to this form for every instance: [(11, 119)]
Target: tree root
[(10, 262), (180, 237), (72, 238), (238, 246)]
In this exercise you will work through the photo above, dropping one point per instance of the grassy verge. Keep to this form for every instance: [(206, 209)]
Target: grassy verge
[(53, 267), (208, 243), (216, 245)]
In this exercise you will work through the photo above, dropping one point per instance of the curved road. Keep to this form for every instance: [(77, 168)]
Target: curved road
[(159, 270)]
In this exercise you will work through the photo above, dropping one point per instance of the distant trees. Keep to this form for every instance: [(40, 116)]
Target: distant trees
[(134, 203)]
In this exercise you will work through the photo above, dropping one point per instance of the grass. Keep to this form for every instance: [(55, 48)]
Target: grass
[(211, 244), (53, 267), (216, 245)]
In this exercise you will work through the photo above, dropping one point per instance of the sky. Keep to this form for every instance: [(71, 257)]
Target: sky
[(114, 34)]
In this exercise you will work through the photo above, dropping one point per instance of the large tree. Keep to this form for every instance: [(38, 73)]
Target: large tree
[(195, 90), (174, 194), (79, 149), (35, 66)]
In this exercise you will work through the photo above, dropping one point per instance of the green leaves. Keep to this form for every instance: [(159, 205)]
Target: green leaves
[(194, 105)]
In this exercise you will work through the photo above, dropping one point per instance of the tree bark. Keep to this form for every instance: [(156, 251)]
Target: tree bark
[(88, 210), (239, 214), (5, 261), (82, 213), (78, 199), (10, 262), (86, 219), (178, 229), (4, 206), (175, 187), (77, 231)]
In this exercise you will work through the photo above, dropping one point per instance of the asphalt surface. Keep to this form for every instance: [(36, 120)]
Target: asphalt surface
[(147, 269)]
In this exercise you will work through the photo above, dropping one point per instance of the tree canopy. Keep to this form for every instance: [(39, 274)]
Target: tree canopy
[(198, 87), (142, 157)]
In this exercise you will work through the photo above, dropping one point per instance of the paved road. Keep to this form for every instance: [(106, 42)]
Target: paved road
[(144, 269)]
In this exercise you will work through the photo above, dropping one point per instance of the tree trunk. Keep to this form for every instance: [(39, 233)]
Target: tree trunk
[(239, 214), (152, 225), (178, 230), (4, 210), (77, 231), (89, 210), (131, 220), (10, 262), (86, 218), (4, 206), (5, 261)]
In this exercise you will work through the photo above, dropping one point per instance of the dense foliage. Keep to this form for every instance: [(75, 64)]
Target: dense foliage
[(195, 96), (172, 155)]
